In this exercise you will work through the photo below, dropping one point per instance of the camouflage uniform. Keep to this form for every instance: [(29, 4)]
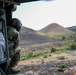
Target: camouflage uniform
[(13, 43)]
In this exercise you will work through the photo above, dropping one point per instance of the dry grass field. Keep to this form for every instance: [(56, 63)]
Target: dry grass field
[(56, 64)]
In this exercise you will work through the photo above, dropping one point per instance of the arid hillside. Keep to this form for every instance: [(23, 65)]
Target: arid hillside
[(30, 39), (54, 29), (40, 40)]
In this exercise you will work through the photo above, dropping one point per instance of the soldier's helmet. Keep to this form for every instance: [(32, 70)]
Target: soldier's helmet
[(16, 23)]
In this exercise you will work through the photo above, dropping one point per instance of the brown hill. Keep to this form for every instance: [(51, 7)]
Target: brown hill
[(54, 29), (29, 37)]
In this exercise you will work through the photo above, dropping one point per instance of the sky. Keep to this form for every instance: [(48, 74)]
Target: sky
[(38, 14)]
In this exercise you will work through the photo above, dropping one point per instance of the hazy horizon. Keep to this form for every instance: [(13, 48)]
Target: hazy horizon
[(39, 14)]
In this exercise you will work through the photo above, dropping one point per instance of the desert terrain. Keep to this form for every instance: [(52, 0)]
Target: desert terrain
[(57, 62)]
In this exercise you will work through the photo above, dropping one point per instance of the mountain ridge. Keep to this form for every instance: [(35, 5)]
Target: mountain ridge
[(54, 29), (30, 37), (72, 28)]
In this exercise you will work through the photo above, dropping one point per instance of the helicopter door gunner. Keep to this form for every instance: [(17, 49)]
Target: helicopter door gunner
[(13, 43)]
